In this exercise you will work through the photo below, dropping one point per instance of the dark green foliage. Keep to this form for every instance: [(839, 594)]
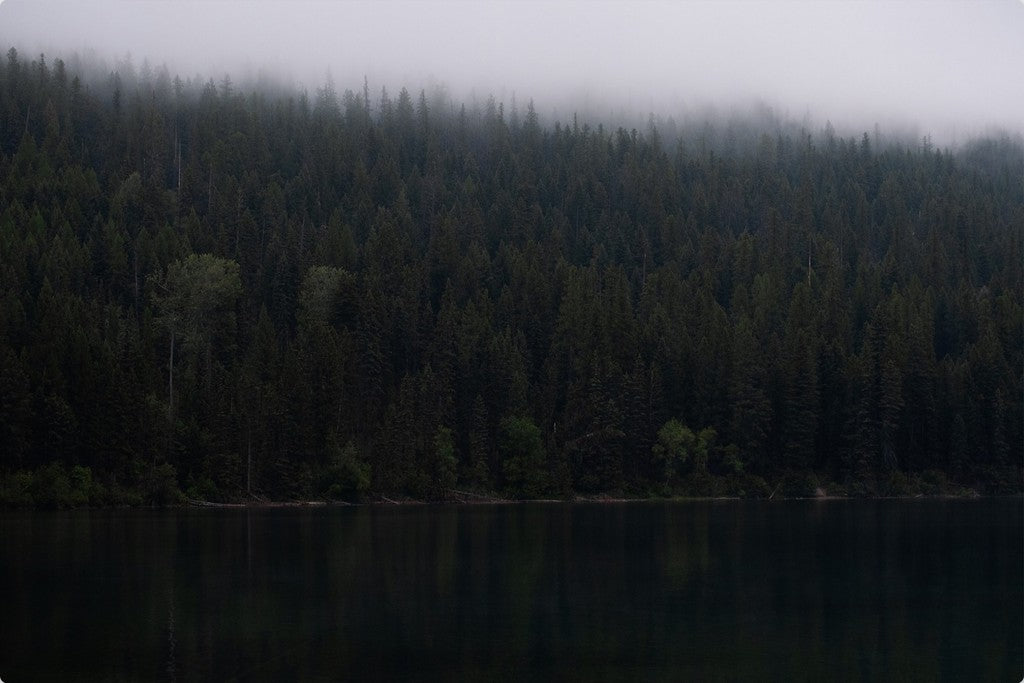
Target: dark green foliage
[(159, 485), (211, 288), (346, 476), (680, 452), (445, 462), (522, 455)]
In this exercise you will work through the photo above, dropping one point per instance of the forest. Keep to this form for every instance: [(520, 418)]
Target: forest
[(221, 292)]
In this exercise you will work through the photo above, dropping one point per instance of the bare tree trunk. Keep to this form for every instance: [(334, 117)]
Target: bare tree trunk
[(135, 269), (170, 399), (248, 462), (170, 382)]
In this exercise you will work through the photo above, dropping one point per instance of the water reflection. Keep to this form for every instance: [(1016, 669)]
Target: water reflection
[(847, 590)]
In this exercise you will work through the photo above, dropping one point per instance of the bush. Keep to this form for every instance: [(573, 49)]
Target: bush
[(523, 458), (858, 487), (346, 476), (798, 485), (82, 486), (119, 495), (160, 485), (701, 484), (729, 462), (934, 483), (748, 486), (51, 487), (16, 490), (897, 484), (202, 488)]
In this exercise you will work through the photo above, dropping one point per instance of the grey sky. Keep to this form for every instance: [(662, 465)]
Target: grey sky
[(952, 67)]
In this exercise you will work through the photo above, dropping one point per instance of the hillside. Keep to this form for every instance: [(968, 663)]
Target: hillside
[(231, 290)]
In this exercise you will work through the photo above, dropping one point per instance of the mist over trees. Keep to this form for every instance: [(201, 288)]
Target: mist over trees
[(235, 290)]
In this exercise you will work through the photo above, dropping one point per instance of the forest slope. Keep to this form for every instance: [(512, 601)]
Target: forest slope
[(217, 290)]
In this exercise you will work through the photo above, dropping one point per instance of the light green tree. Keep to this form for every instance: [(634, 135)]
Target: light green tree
[(522, 452), (678, 448), (195, 301), (347, 475)]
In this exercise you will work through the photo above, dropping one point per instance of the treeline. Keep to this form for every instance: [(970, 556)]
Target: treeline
[(226, 293)]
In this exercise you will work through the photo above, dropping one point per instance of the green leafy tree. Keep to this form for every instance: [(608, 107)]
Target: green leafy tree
[(523, 458), (672, 449), (347, 475), (316, 270), (195, 300), (679, 449)]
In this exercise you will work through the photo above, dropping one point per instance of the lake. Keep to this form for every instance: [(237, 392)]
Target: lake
[(707, 590)]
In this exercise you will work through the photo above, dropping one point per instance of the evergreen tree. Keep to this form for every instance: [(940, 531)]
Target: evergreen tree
[(241, 289)]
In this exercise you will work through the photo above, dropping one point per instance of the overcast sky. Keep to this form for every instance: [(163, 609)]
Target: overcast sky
[(952, 67)]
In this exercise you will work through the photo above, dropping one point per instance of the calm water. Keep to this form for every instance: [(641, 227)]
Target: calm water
[(837, 590)]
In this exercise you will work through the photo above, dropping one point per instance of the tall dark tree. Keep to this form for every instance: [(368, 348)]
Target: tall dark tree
[(235, 288)]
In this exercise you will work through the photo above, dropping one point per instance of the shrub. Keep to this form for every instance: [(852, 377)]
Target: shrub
[(346, 476), (523, 458), (202, 488), (16, 490), (798, 485), (82, 486), (748, 486), (51, 487), (160, 485), (897, 484), (934, 483)]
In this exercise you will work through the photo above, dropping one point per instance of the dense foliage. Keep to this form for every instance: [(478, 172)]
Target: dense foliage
[(225, 292)]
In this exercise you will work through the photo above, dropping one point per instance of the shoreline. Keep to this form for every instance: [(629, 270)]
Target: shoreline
[(389, 502), (468, 498)]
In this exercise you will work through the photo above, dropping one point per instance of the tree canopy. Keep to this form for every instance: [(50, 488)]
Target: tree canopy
[(230, 290)]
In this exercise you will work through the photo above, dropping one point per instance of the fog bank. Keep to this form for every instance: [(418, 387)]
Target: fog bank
[(950, 68)]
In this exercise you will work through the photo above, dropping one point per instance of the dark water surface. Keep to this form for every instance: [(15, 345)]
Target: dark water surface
[(794, 590)]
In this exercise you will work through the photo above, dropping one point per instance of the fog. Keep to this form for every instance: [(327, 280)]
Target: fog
[(949, 69)]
